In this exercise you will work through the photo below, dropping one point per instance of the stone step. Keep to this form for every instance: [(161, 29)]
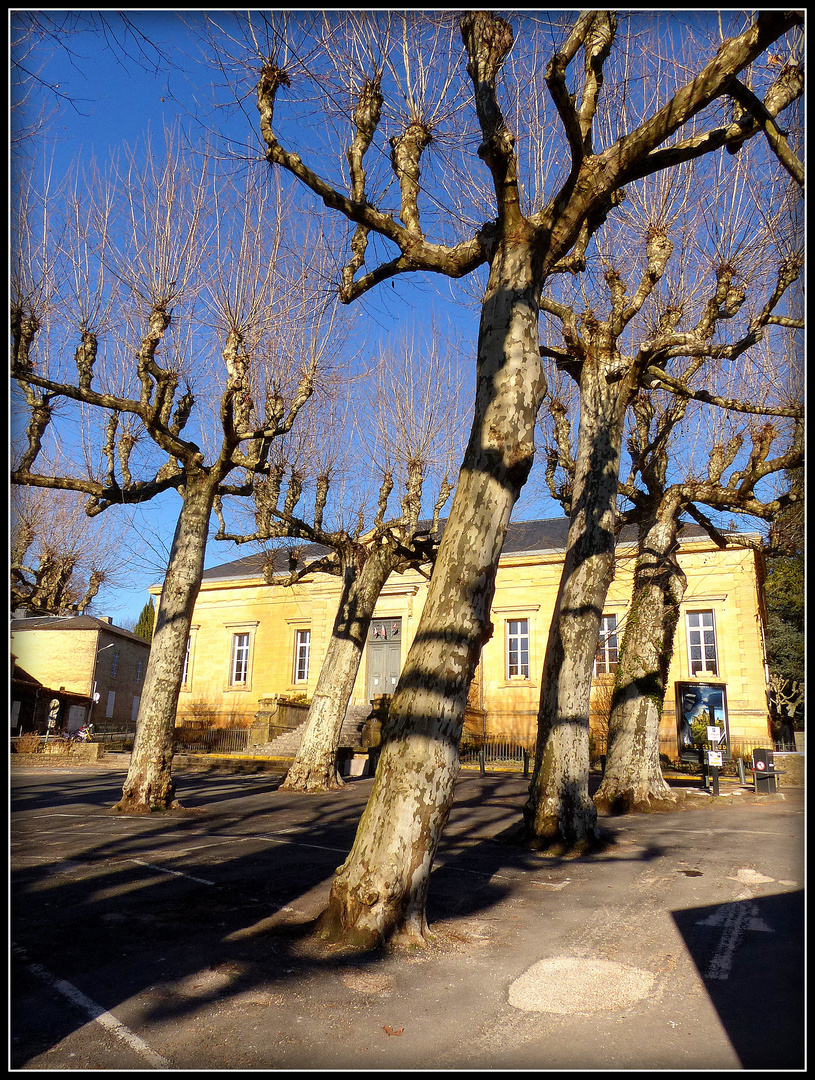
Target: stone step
[(288, 743)]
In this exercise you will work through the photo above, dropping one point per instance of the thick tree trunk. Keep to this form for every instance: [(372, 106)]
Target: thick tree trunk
[(380, 890), (559, 810), (633, 779), (314, 768), (149, 784)]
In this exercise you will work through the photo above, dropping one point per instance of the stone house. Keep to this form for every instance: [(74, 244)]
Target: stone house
[(93, 669), (251, 640)]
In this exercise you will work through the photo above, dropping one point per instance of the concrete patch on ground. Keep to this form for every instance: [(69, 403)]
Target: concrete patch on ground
[(748, 876), (575, 984)]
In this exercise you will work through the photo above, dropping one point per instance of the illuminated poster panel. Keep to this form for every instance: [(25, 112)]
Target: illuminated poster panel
[(701, 710)]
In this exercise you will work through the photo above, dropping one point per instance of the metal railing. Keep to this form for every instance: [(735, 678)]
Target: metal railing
[(484, 750), (211, 740)]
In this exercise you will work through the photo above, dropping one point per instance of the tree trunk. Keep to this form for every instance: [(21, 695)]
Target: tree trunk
[(633, 779), (315, 766), (380, 890), (559, 810), (149, 784)]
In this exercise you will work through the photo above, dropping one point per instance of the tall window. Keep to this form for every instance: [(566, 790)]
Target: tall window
[(607, 655), (702, 643), (114, 665), (186, 674), (110, 704), (140, 669), (302, 652), (239, 671), (517, 648)]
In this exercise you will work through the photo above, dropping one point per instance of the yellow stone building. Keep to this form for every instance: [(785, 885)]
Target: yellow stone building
[(93, 670), (251, 640)]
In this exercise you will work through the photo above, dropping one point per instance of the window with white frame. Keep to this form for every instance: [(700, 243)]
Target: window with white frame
[(302, 654), (607, 655), (239, 666), (702, 655), (517, 648)]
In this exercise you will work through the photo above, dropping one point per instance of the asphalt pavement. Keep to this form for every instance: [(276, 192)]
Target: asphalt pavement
[(183, 941)]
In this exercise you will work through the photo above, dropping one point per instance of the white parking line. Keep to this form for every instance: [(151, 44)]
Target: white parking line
[(175, 873), (93, 1011)]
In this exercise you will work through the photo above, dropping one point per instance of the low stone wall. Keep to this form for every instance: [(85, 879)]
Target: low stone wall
[(82, 754), (791, 766)]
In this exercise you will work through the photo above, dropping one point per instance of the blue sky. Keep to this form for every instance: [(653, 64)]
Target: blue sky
[(99, 98)]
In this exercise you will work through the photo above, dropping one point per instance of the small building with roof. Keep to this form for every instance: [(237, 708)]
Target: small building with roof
[(93, 670)]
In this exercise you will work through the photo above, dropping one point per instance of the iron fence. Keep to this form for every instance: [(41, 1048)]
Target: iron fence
[(515, 749), (210, 740), (495, 749)]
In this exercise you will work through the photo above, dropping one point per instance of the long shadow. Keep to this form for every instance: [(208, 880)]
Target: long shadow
[(102, 915), (750, 954)]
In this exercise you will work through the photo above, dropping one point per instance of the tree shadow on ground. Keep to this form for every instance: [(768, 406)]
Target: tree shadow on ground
[(190, 909)]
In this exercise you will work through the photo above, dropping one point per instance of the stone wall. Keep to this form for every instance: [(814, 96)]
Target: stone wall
[(791, 766)]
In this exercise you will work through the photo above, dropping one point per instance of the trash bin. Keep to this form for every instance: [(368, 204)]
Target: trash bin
[(764, 771)]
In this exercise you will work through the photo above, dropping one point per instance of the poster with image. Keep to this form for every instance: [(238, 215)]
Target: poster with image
[(702, 719)]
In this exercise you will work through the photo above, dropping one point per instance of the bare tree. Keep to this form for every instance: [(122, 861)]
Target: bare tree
[(59, 561), (414, 438), (712, 338), (620, 359), (390, 68), (178, 291)]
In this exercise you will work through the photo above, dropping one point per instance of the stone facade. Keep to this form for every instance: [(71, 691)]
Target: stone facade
[(68, 660), (251, 640)]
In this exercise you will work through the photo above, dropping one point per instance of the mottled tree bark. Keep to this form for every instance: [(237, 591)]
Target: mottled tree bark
[(149, 785), (559, 809), (633, 779), (380, 890), (314, 768)]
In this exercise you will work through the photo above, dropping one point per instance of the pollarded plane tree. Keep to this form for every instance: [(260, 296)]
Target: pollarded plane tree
[(413, 439), (739, 471), (713, 322), (59, 561), (198, 339), (711, 281), (522, 236)]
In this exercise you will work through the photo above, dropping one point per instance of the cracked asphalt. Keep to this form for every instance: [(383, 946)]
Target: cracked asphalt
[(182, 941)]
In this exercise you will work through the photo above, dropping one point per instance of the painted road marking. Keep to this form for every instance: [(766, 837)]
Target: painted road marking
[(175, 873), (735, 919), (93, 1011)]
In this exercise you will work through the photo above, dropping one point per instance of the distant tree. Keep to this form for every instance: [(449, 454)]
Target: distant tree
[(146, 621), (784, 592), (413, 439), (59, 558), (711, 402), (709, 285)]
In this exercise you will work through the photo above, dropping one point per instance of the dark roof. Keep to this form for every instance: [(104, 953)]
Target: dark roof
[(74, 622), (252, 565), (548, 534)]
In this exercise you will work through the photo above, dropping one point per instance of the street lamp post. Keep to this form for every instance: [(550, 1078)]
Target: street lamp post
[(94, 694)]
